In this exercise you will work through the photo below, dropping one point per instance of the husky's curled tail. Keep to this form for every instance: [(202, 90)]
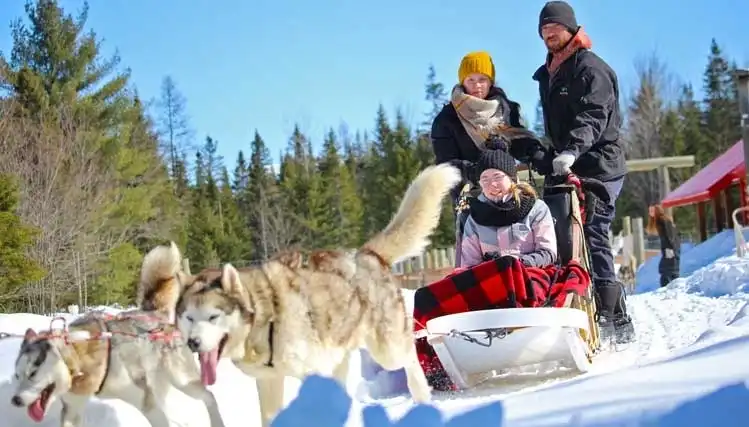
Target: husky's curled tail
[(418, 215), (159, 286)]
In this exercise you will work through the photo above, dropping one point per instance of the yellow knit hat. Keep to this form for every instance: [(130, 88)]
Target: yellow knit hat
[(476, 62)]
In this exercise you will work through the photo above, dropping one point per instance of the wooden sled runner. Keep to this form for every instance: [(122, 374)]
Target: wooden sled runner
[(472, 344)]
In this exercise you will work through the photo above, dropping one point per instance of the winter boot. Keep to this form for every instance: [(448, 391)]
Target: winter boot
[(614, 322)]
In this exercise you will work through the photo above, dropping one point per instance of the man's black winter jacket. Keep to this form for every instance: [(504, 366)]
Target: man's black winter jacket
[(582, 116)]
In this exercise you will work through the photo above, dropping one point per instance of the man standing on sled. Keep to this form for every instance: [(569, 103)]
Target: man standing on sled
[(580, 100)]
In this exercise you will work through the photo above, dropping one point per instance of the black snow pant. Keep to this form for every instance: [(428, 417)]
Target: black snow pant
[(609, 292), (668, 278), (668, 269)]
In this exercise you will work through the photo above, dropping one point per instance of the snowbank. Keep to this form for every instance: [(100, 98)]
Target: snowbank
[(688, 368), (707, 396), (693, 258)]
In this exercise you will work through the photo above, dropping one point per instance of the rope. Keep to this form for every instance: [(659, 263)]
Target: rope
[(491, 335), (70, 337)]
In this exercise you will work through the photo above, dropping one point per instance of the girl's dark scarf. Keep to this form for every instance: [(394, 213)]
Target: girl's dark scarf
[(500, 214)]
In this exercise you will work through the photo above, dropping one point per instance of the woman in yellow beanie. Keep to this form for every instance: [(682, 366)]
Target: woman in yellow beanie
[(471, 122)]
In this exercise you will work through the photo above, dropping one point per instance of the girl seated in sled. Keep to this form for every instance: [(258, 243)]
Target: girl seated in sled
[(507, 218)]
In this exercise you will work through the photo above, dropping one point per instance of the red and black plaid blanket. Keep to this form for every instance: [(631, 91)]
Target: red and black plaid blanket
[(502, 283)]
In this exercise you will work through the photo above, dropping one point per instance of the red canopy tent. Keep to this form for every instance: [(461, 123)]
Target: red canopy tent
[(710, 184)]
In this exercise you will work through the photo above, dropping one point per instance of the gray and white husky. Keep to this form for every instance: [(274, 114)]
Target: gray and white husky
[(137, 361)]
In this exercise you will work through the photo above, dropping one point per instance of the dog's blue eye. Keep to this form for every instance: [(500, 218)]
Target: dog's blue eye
[(32, 374), (189, 319), (213, 317)]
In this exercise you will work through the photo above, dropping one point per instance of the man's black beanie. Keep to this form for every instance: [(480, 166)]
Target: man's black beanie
[(558, 12)]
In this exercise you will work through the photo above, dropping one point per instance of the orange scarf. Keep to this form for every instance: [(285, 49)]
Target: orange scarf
[(579, 41)]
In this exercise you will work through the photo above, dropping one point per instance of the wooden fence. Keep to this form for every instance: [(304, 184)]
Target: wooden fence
[(424, 269)]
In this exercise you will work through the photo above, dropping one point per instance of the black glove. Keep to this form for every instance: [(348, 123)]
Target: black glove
[(525, 149), (489, 256), (467, 169), (504, 260), (541, 161), (496, 142)]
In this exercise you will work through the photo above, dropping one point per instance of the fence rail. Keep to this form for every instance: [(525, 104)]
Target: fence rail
[(428, 267)]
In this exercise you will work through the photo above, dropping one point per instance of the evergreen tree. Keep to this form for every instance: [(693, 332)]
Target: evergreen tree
[(690, 116), (109, 170), (721, 107), (15, 238), (340, 209), (263, 194), (204, 224), (174, 126), (54, 63), (435, 95), (301, 186)]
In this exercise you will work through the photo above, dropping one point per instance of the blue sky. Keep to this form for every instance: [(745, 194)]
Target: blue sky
[(266, 64)]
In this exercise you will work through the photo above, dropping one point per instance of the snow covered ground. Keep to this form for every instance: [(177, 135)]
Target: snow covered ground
[(689, 367)]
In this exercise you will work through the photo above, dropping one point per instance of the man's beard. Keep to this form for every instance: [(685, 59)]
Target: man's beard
[(557, 45)]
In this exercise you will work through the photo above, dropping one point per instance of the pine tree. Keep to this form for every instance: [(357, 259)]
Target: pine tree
[(436, 95), (174, 127), (721, 107), (376, 190), (264, 196), (340, 209), (15, 238), (204, 224), (301, 186), (233, 244), (109, 170), (54, 63), (690, 115)]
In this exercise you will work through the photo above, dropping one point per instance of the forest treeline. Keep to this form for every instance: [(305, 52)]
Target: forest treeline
[(92, 175)]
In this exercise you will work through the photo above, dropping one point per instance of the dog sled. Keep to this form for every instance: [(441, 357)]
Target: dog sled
[(499, 316)]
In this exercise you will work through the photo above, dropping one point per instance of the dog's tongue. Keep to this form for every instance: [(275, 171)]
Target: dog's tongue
[(208, 362), (36, 411)]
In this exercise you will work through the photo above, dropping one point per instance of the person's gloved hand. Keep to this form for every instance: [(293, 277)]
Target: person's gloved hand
[(562, 163), (669, 253), (467, 169), (541, 161), (496, 142), (488, 256)]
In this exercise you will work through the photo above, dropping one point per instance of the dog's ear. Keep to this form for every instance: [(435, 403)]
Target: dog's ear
[(290, 258), (230, 279), (186, 281)]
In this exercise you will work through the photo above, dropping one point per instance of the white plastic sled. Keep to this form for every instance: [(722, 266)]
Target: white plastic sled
[(472, 345)]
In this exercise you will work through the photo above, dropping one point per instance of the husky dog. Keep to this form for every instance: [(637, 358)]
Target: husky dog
[(288, 317), (137, 357)]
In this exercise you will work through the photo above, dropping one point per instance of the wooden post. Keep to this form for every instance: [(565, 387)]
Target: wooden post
[(635, 165), (433, 259), (664, 185), (398, 268), (638, 241), (186, 266), (442, 256), (626, 226), (743, 200), (418, 264), (718, 212), (729, 206), (742, 86), (702, 220), (450, 257), (627, 250)]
